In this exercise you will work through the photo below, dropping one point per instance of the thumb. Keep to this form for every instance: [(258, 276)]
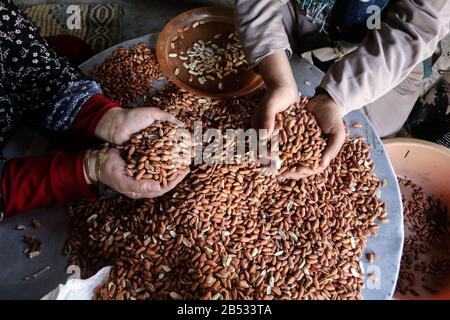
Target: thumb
[(162, 115), (267, 122)]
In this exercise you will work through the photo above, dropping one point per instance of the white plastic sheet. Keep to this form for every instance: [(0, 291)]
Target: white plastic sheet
[(78, 289)]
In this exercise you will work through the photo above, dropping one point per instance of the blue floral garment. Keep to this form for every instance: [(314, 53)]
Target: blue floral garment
[(342, 19), (37, 86)]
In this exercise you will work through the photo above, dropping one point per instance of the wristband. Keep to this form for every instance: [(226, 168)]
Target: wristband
[(87, 165), (98, 164)]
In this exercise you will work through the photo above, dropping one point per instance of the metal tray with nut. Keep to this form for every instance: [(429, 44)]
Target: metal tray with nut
[(380, 275)]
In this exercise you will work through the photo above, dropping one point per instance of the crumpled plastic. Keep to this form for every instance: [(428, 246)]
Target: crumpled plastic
[(79, 289)]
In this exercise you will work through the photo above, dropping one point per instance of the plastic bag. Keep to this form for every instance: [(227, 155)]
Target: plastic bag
[(79, 289)]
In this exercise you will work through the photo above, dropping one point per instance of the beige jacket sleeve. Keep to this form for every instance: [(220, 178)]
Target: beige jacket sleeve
[(261, 29), (408, 35)]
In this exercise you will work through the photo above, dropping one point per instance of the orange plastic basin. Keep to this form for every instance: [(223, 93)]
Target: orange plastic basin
[(426, 164)]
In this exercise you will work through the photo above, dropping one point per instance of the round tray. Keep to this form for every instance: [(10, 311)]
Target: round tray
[(388, 244)]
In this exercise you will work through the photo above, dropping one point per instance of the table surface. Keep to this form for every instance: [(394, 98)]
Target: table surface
[(55, 221)]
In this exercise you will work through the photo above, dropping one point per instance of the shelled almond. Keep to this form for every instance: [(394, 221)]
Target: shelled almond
[(301, 141), (211, 60), (156, 153), (229, 231), (128, 74), (425, 263)]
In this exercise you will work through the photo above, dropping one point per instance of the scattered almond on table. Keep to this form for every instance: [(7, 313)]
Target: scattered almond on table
[(33, 246), (35, 223), (371, 256)]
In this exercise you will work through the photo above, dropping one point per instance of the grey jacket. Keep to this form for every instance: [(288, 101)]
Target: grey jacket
[(409, 34)]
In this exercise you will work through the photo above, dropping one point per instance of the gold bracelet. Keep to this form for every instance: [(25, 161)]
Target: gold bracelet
[(98, 164), (87, 167)]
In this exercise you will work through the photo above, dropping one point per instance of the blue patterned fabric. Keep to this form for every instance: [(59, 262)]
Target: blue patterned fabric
[(316, 10), (349, 18), (342, 19), (36, 84)]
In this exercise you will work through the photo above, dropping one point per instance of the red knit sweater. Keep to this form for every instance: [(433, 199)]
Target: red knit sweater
[(40, 181)]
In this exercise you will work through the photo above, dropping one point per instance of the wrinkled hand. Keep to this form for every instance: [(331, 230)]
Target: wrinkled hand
[(118, 124), (113, 175), (329, 118), (274, 101)]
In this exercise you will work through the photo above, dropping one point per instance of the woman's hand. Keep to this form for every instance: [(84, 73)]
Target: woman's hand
[(275, 100), (118, 124), (113, 175), (281, 92), (329, 117)]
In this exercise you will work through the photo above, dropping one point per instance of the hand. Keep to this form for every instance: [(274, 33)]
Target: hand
[(281, 92), (329, 117), (118, 124), (114, 176), (275, 100)]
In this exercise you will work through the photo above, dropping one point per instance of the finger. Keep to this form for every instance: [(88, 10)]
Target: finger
[(129, 185), (175, 181), (136, 189), (297, 174), (137, 196), (131, 195), (336, 140), (158, 191), (162, 116), (148, 186), (267, 122)]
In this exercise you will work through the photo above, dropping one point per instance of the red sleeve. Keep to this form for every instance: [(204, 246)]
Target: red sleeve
[(90, 114), (41, 181)]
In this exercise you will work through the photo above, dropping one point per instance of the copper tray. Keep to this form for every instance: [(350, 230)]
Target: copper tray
[(216, 20)]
